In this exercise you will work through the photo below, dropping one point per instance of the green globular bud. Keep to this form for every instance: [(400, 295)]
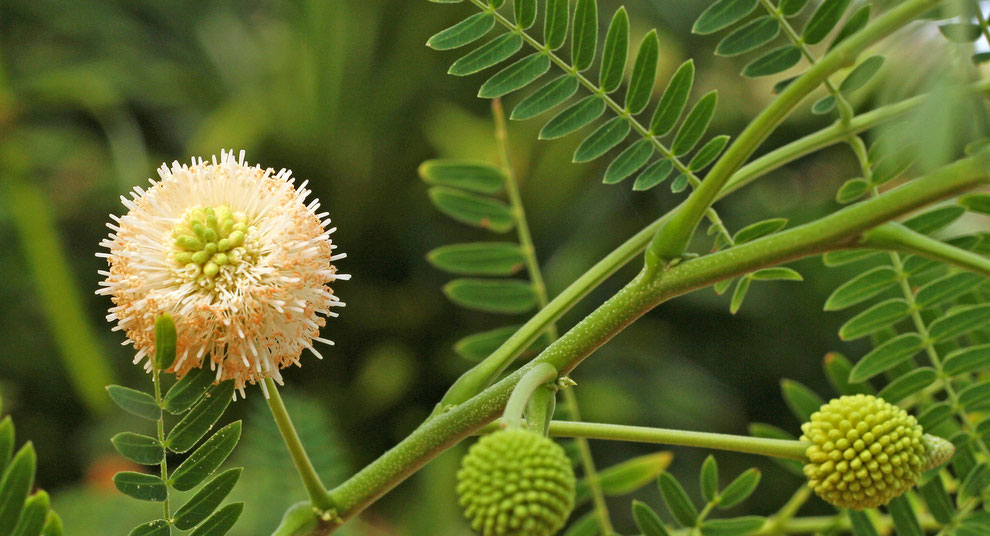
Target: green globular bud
[(188, 242), (236, 238), (864, 451), (211, 269), (206, 240), (515, 482), (223, 244), (211, 235), (183, 258), (198, 228), (200, 257), (219, 258)]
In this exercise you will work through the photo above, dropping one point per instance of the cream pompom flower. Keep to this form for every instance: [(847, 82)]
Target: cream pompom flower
[(238, 258)]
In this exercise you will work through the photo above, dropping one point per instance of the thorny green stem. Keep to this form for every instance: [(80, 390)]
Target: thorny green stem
[(163, 466), (318, 495), (536, 377), (838, 230)]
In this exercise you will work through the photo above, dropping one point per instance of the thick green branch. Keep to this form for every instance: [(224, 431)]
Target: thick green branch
[(894, 236), (639, 296)]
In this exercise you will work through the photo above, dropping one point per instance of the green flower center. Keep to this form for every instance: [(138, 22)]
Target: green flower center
[(209, 238)]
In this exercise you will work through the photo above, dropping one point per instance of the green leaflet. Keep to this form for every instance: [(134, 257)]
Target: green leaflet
[(908, 384), (708, 153), (875, 318), (477, 177), (574, 117), (549, 96), (204, 460), (480, 345), (194, 425), (976, 202), (615, 51), (739, 294), (220, 522), (799, 399), (159, 527), (749, 37), (974, 484), (673, 100), (960, 32), (905, 520), (852, 189), (141, 486), (695, 124), (32, 519), (516, 76), (647, 520), (933, 220), (139, 448), (201, 505), (586, 525), (843, 257), (935, 414), (773, 62), (722, 14), (823, 20), (478, 258), (524, 12), (861, 524), (886, 356), (15, 485), (861, 288), (677, 500), (967, 360), (630, 160), (976, 397), (644, 74), (187, 391), (584, 37), (959, 322), (679, 184), (792, 7), (6, 442), (507, 296), (739, 526), (471, 209), (861, 74), (759, 230), (602, 139), (467, 31), (495, 51), (653, 175), (165, 341), (555, 24), (823, 106), (837, 368), (708, 479), (135, 402), (938, 500), (628, 476), (739, 489), (946, 288), (777, 273), (853, 24)]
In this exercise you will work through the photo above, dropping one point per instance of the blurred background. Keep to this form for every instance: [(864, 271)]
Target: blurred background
[(95, 95)]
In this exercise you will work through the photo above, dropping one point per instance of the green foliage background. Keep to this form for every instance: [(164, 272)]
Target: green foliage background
[(94, 96)]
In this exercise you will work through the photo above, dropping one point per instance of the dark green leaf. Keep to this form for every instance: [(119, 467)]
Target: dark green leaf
[(647, 520), (853, 24), (139, 448), (221, 522), (586, 525), (674, 98), (837, 368), (584, 37), (135, 402), (464, 174), (165, 341), (980, 57), (934, 415), (555, 24), (15, 485), (644, 74), (495, 51), (628, 161), (861, 74), (677, 500), (861, 288), (778, 273), (976, 396), (961, 32), (709, 479), (525, 12), (790, 8), (141, 486), (159, 527), (708, 152), (782, 85), (555, 92), (6, 442), (574, 117), (938, 500), (823, 20), (614, 53), (201, 418), (976, 202), (602, 139), (518, 75), (206, 500), (478, 258), (933, 220), (739, 489), (472, 209), (852, 190), (800, 400), (740, 526), (861, 524), (905, 520), (754, 34), (974, 484), (908, 384), (464, 32), (695, 124), (722, 14), (759, 230), (480, 345), (773, 62), (886, 356), (875, 318), (823, 106), (653, 175), (32, 518), (843, 257), (53, 525), (739, 294), (972, 359), (679, 184), (187, 391), (946, 288), (204, 460), (959, 322), (507, 296), (630, 475)]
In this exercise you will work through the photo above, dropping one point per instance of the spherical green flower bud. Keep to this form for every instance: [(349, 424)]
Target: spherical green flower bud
[(864, 451), (515, 482)]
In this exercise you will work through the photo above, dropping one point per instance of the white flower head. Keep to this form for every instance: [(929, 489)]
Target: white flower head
[(238, 258)]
